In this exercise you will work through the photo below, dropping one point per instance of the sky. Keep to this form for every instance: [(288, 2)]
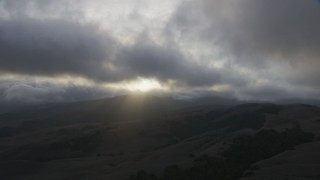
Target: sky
[(70, 50)]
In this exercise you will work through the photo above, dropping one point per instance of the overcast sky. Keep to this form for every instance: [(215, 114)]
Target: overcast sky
[(66, 50)]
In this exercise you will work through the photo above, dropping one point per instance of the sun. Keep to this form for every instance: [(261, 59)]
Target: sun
[(144, 85), (141, 85)]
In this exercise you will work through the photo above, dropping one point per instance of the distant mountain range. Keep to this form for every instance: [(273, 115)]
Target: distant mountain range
[(145, 137)]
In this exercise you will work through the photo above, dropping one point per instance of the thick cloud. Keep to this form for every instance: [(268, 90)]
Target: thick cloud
[(146, 59), (28, 91), (274, 29), (53, 47), (288, 27), (276, 43), (250, 49)]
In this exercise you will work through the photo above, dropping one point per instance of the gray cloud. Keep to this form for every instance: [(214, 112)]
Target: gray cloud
[(262, 28), (276, 42), (259, 48), (30, 91), (146, 59), (53, 47), (42, 8)]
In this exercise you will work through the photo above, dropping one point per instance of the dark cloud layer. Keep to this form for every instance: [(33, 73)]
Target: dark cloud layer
[(53, 47), (30, 91), (57, 47), (276, 41), (165, 64), (264, 49), (288, 29)]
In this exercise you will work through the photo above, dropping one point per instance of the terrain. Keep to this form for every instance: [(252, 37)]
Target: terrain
[(142, 137)]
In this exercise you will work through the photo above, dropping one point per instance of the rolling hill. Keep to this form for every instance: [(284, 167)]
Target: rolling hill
[(141, 137)]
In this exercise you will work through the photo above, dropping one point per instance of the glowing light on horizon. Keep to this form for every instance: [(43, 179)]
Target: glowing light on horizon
[(144, 85)]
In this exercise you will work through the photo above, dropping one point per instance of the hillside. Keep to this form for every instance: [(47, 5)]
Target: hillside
[(147, 137)]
